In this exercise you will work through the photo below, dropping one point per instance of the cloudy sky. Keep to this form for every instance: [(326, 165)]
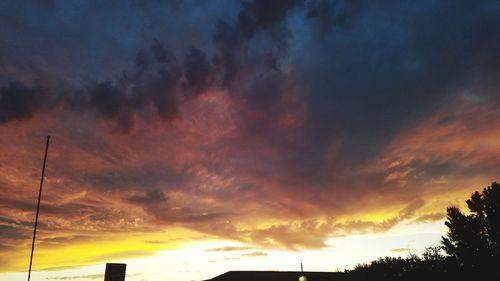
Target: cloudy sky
[(190, 138)]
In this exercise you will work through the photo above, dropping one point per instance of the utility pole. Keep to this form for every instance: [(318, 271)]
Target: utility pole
[(38, 205)]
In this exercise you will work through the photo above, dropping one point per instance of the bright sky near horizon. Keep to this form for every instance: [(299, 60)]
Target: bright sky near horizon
[(190, 138)]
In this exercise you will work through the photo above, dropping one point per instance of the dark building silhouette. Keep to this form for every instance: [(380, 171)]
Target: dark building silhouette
[(115, 272), (281, 276)]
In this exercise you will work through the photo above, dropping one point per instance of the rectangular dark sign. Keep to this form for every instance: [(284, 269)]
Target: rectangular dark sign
[(115, 272)]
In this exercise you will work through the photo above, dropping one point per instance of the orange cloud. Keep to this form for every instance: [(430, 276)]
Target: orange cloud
[(255, 254), (225, 182)]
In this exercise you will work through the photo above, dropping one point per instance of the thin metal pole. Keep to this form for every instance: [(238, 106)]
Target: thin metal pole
[(38, 205)]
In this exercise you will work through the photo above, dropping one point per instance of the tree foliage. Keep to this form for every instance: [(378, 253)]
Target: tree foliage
[(471, 246), (474, 239), (432, 263)]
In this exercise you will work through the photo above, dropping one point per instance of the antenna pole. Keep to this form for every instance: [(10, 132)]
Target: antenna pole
[(38, 205)]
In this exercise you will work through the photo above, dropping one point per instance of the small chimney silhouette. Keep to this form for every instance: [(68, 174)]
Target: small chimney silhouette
[(302, 277), (115, 272)]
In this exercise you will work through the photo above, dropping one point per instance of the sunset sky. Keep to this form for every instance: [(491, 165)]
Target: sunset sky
[(190, 138)]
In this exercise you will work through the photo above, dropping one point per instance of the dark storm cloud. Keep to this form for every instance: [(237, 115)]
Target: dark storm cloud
[(110, 103), (19, 101), (147, 178), (161, 54), (150, 83), (226, 41), (85, 72), (384, 66), (88, 215), (157, 73), (393, 65), (10, 232), (17, 204), (255, 16), (331, 14), (362, 71), (260, 14), (121, 100), (265, 91), (198, 71), (117, 101), (151, 198), (17, 224), (188, 216)]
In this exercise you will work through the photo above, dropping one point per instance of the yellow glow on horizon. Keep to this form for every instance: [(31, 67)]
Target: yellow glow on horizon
[(107, 248), (378, 215), (186, 255)]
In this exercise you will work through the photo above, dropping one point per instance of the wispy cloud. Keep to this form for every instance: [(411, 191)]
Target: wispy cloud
[(402, 250), (91, 276), (229, 249), (255, 254)]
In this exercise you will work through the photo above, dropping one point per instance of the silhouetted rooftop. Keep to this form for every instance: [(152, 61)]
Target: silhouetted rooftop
[(281, 276)]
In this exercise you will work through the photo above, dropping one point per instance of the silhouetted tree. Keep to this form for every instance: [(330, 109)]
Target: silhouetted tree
[(473, 240), (431, 264), (471, 246)]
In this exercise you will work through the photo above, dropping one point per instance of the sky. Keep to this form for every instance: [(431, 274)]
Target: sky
[(190, 138)]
